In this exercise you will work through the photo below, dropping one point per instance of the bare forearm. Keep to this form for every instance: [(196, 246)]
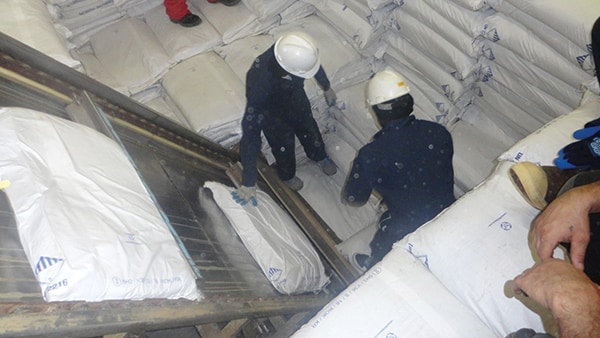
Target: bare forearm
[(577, 311), (589, 195), (567, 292)]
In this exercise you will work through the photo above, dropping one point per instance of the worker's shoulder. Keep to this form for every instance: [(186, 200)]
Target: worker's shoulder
[(259, 64), (431, 125)]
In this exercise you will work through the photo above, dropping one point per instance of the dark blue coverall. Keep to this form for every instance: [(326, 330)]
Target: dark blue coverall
[(409, 163), (278, 106)]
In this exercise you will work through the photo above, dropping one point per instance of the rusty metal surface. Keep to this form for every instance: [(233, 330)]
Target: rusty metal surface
[(76, 319)]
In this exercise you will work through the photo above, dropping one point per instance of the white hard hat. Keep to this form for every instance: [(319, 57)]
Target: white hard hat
[(386, 85), (297, 54)]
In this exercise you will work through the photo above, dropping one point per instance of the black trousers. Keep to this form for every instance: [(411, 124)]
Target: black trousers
[(281, 132)]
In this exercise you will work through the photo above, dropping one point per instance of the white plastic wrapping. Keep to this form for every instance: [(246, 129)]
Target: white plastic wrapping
[(89, 228), (281, 250)]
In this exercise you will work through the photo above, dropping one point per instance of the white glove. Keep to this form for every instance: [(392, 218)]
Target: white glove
[(244, 195), (330, 97)]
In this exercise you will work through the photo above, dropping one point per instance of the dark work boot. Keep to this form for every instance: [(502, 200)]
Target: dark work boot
[(294, 183), (189, 20), (539, 185), (327, 166)]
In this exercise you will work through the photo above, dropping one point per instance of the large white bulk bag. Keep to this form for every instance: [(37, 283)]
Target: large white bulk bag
[(398, 297), (88, 226), (274, 240), (475, 254)]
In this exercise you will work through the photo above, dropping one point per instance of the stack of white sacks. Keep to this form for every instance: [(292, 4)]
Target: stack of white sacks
[(491, 71)]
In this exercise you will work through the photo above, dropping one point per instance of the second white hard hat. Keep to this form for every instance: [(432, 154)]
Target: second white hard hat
[(297, 53), (384, 86)]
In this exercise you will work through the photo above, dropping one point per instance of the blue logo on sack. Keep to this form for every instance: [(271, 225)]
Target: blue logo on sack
[(581, 59), (274, 273), (45, 263), (486, 73), (494, 35)]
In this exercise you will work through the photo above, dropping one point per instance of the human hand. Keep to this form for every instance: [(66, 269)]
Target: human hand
[(330, 97), (566, 219), (244, 195), (545, 280), (567, 292)]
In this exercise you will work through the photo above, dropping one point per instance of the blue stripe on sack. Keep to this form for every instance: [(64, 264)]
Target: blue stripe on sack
[(46, 262)]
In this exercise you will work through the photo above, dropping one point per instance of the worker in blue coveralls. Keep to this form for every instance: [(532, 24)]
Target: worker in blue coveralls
[(408, 163), (277, 105)]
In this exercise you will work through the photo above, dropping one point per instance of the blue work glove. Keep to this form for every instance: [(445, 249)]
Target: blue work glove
[(586, 132), (589, 129), (330, 97), (244, 195), (583, 154)]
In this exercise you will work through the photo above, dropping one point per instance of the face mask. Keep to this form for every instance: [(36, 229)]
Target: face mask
[(277, 70), (394, 109)]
